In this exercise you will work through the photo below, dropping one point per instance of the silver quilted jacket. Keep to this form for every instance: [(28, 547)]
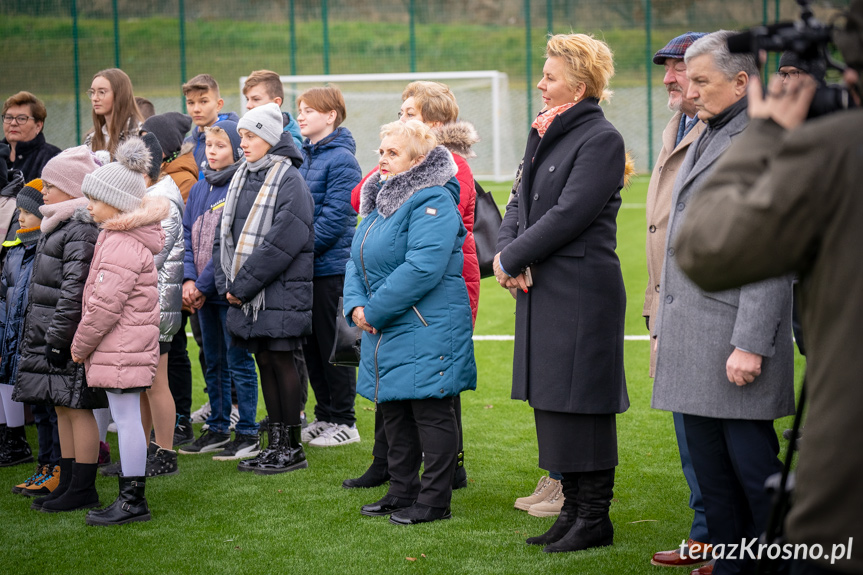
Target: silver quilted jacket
[(169, 262)]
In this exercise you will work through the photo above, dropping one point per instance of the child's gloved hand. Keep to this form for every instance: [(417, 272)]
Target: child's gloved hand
[(57, 357)]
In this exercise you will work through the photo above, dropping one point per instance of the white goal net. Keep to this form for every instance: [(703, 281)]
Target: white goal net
[(374, 99)]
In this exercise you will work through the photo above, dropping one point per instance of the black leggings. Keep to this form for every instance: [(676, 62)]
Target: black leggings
[(280, 384)]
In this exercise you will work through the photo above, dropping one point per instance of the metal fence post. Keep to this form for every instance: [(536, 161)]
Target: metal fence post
[(528, 72), (648, 67), (183, 50), (293, 41), (325, 22), (413, 36), (116, 34), (77, 71)]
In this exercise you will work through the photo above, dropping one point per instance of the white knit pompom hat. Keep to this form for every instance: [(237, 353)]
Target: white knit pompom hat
[(121, 183)]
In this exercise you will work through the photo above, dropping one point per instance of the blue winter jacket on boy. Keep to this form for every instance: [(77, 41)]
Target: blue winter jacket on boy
[(199, 138), (331, 171), (405, 270), (200, 224), (14, 285)]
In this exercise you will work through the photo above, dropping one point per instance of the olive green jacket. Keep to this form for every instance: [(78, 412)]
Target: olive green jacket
[(781, 202)]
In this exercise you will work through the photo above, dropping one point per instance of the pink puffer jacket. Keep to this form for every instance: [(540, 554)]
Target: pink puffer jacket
[(118, 336)]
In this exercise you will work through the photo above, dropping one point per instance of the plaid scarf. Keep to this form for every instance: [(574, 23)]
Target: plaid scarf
[(258, 222)]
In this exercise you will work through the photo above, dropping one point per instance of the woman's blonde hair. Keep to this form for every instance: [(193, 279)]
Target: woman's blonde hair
[(435, 101), (419, 137), (588, 61)]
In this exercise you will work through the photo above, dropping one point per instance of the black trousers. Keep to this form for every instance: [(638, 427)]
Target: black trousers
[(380, 448), (46, 430), (180, 371), (421, 431), (335, 387), (732, 459)]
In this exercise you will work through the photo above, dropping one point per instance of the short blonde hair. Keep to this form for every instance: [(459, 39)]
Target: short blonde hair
[(419, 137), (588, 61), (435, 101), (216, 131)]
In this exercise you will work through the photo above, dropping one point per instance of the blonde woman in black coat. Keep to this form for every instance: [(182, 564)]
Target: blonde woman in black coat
[(557, 254)]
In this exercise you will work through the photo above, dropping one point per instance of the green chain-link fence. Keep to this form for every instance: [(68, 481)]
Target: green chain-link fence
[(53, 47)]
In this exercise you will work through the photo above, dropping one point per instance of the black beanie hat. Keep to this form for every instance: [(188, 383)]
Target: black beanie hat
[(170, 128), (30, 197), (152, 143), (815, 68)]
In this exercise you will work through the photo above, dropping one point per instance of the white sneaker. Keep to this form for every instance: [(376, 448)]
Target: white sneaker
[(314, 429), (339, 434), (112, 427), (201, 415), (234, 417)]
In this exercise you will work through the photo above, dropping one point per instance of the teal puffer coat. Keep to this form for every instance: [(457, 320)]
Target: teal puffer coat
[(405, 270)]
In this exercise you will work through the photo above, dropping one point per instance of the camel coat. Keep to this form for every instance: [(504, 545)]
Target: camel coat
[(658, 206)]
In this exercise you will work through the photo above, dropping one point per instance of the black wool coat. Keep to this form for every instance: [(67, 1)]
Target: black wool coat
[(568, 353), (282, 265), (57, 281), (31, 157)]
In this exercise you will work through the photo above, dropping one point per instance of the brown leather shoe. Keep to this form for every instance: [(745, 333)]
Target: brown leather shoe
[(695, 554), (703, 570)]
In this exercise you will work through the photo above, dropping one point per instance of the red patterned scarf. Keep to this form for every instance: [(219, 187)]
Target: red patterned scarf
[(545, 118)]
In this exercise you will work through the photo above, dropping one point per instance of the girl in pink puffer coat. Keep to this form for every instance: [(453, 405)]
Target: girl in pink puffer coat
[(118, 337)]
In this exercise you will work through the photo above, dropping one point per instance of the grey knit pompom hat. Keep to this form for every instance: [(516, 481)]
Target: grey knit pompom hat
[(121, 184)]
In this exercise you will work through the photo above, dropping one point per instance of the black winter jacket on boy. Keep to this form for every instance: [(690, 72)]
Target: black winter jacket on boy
[(283, 264), (54, 310)]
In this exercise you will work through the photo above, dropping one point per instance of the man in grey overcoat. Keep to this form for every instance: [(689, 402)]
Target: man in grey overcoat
[(724, 359)]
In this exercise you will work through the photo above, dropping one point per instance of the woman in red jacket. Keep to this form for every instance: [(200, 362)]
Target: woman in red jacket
[(434, 104)]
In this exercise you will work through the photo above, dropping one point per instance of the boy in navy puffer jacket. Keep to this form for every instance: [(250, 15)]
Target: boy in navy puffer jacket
[(331, 171), (225, 362)]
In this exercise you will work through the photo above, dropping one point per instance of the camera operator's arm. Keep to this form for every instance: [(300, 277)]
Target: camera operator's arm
[(757, 216)]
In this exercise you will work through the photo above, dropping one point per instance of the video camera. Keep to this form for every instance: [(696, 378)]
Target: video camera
[(809, 39)]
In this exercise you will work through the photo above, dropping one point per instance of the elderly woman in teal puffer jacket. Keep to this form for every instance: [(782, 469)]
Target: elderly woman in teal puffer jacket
[(404, 288)]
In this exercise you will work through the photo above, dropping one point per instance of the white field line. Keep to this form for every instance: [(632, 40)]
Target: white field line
[(512, 337)]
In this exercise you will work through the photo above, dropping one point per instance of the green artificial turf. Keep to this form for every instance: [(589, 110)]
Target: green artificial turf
[(211, 519)]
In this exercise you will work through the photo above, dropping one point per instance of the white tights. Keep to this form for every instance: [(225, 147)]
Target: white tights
[(126, 411), (13, 410), (103, 419)]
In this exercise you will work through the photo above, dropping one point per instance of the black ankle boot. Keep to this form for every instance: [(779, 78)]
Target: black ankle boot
[(66, 466), (568, 513), (593, 528), (377, 474), (81, 493), (274, 440), (290, 457), (15, 449), (130, 505), (459, 477)]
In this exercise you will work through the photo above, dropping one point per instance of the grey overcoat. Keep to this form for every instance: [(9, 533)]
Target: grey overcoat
[(697, 330)]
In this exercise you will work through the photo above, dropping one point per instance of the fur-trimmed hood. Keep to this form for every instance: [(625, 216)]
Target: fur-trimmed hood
[(458, 138), (138, 223), (436, 170)]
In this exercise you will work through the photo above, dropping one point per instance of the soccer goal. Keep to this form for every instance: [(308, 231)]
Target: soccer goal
[(374, 99)]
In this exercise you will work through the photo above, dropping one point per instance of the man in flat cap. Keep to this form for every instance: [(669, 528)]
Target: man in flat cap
[(683, 129)]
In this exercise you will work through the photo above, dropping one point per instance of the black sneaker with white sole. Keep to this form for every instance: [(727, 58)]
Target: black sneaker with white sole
[(242, 447), (183, 432), (208, 442)]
